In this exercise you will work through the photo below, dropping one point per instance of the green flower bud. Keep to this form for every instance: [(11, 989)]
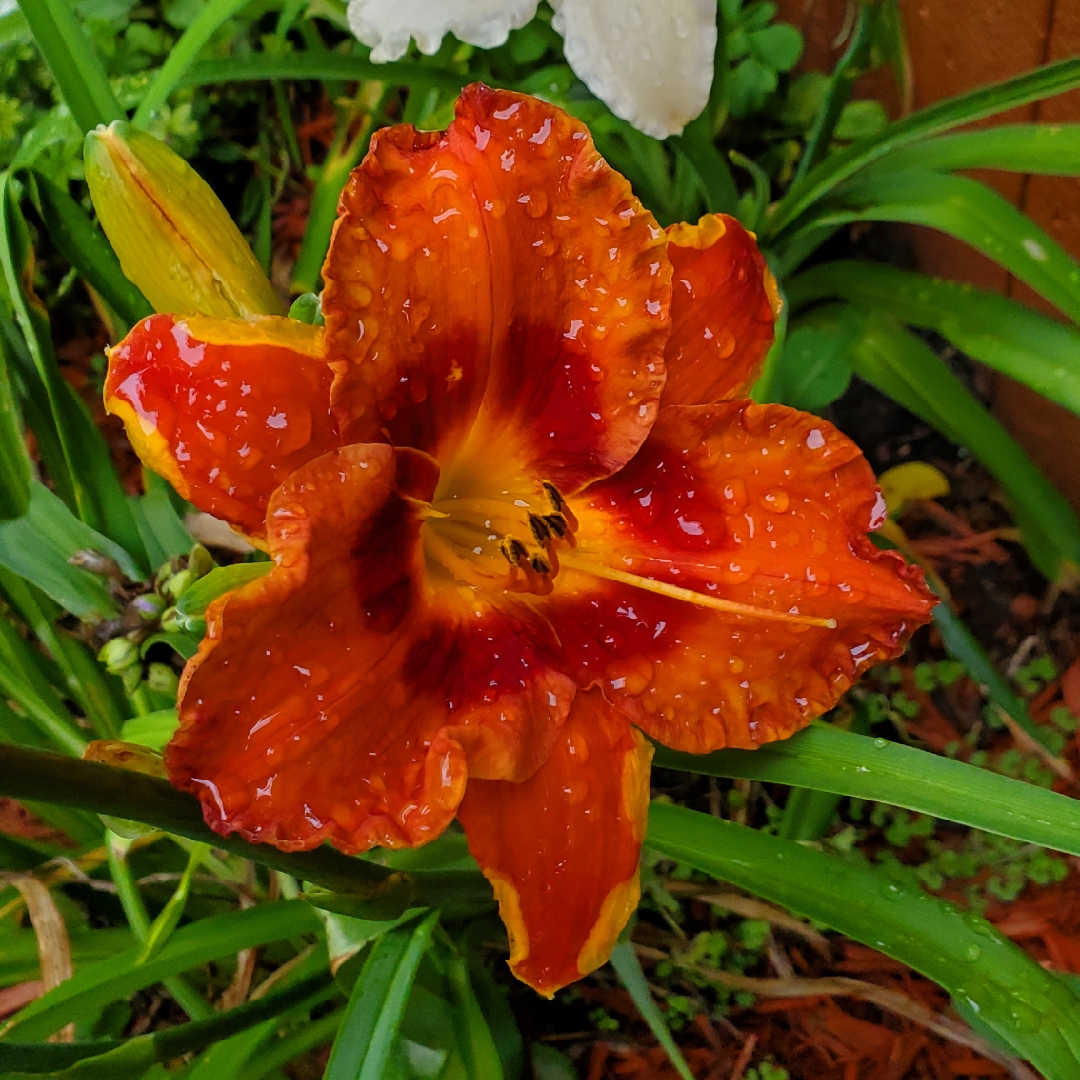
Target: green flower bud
[(200, 562), (173, 237), (175, 586), (149, 606), (163, 679), (119, 655)]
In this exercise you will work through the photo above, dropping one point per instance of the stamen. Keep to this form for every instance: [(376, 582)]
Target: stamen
[(559, 505), (514, 551), (676, 592), (540, 529), (557, 524), (553, 493)]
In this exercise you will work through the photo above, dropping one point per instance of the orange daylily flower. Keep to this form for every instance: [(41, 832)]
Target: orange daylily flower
[(520, 522)]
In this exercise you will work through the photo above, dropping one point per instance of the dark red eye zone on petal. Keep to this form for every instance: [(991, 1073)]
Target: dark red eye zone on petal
[(499, 281), (759, 505), (225, 409), (343, 697)]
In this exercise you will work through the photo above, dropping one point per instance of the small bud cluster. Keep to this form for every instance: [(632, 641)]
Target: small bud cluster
[(150, 618)]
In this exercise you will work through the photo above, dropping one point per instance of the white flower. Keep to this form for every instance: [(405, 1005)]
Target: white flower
[(651, 61)]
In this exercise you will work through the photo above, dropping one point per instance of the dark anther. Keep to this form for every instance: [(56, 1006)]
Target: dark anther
[(514, 551), (540, 529), (540, 565), (553, 493), (557, 524)]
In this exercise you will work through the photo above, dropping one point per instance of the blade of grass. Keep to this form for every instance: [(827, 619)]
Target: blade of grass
[(44, 711), (1032, 1010), (824, 758), (197, 1007), (627, 966), (161, 929), (316, 1033), (183, 55), (362, 1048), (83, 676), (474, 1038), (1043, 82), (838, 93), (116, 977), (344, 155), (321, 65), (72, 60), (1012, 338)]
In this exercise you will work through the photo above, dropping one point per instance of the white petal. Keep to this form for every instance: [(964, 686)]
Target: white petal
[(651, 61), (387, 25)]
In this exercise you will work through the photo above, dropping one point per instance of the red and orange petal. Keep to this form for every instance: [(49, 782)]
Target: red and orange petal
[(562, 849), (338, 698), (760, 505), (724, 303), (497, 281), (224, 409)]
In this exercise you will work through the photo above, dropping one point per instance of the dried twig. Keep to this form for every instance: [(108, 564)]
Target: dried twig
[(1032, 746), (743, 1060), (54, 948)]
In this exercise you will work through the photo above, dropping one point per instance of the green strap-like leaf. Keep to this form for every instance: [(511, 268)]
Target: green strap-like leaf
[(183, 54), (1032, 1010), (87, 475), (900, 365), (72, 61), (196, 598), (1046, 149), (824, 758), (40, 545), (971, 212), (362, 1048), (1012, 338), (15, 469), (1043, 82)]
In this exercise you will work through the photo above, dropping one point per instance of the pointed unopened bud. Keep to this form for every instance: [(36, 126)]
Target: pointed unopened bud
[(173, 237)]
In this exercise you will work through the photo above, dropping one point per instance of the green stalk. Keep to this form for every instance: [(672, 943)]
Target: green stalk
[(370, 890), (183, 993), (838, 94), (343, 157)]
